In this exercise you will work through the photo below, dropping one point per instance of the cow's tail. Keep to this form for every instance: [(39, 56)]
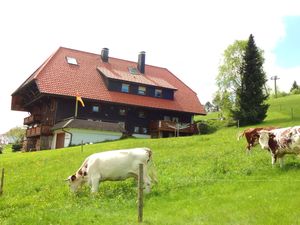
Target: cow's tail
[(240, 135), (150, 166)]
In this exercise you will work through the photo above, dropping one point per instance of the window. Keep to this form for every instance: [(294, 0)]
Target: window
[(158, 93), (133, 71), (144, 130), (175, 119), (136, 130), (122, 112), (95, 108), (71, 60), (167, 118), (125, 88), (142, 114), (142, 90)]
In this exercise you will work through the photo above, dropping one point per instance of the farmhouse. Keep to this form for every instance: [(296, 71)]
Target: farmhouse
[(119, 96)]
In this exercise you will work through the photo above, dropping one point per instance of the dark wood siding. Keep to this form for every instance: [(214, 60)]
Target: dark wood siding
[(134, 116)]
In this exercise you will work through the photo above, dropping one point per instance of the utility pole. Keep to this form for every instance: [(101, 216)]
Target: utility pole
[(275, 86)]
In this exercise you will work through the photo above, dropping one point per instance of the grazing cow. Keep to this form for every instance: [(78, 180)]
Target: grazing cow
[(252, 136), (113, 166), (280, 142)]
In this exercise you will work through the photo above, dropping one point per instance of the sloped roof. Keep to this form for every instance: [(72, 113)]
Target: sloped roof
[(57, 77), (89, 125)]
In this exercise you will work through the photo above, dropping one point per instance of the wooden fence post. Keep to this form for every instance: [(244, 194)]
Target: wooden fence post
[(2, 182), (140, 193)]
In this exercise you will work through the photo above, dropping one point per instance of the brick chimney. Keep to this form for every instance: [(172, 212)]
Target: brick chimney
[(141, 62), (104, 54)]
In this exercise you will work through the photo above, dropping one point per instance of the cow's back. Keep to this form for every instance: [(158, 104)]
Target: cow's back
[(117, 164)]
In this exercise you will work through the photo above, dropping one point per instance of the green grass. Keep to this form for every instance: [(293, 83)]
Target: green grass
[(205, 179)]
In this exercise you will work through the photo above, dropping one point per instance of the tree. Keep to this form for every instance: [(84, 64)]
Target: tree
[(209, 107), (16, 134), (229, 79), (229, 76), (294, 86), (250, 105)]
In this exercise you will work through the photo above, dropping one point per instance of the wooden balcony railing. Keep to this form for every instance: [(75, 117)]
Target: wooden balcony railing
[(39, 130), (162, 125), (32, 119)]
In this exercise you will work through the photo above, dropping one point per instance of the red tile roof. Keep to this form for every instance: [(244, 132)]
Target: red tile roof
[(58, 77)]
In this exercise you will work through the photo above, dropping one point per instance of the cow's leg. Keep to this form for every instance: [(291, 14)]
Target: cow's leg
[(95, 180), (273, 159), (281, 162)]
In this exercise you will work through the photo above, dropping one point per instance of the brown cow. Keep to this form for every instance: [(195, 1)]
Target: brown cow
[(252, 135)]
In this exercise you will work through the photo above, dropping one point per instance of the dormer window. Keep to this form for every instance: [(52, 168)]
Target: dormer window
[(71, 60), (142, 90), (125, 88), (158, 93)]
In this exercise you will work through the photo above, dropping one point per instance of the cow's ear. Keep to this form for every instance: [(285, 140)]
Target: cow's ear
[(73, 177)]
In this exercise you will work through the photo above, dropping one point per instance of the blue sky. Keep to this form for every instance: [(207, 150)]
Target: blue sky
[(288, 49)]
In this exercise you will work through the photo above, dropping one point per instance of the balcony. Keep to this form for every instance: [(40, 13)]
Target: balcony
[(39, 130), (162, 125), (32, 119)]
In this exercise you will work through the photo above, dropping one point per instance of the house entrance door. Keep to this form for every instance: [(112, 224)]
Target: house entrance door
[(60, 140)]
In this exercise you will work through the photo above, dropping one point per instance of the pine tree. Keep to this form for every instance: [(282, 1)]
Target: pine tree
[(250, 107), (294, 86)]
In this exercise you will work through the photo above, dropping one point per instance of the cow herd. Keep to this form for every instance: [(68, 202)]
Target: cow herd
[(122, 164), (278, 141)]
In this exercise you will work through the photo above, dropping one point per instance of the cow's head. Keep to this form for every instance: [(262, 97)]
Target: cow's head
[(263, 140), (75, 182)]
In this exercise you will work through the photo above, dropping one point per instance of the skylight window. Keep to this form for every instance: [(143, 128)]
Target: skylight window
[(71, 60), (133, 71)]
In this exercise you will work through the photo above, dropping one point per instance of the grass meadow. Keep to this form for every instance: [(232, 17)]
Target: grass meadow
[(202, 179)]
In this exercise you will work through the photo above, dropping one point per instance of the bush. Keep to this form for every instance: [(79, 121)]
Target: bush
[(16, 147), (210, 126), (295, 91)]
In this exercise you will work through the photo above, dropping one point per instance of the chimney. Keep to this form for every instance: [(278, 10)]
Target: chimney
[(141, 62), (104, 54)]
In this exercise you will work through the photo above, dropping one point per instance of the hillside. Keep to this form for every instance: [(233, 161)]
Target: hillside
[(205, 179)]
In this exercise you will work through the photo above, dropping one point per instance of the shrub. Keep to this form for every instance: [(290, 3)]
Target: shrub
[(295, 91), (16, 147), (210, 126)]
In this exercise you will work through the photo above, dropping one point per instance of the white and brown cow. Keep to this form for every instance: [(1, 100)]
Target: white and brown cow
[(113, 166), (280, 142), (252, 136)]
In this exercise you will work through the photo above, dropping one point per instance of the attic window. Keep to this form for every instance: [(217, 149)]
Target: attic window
[(71, 60), (133, 71)]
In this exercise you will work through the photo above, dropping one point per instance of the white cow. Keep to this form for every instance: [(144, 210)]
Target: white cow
[(280, 142), (113, 166)]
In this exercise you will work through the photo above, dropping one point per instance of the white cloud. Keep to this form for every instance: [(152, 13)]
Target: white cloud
[(187, 37)]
